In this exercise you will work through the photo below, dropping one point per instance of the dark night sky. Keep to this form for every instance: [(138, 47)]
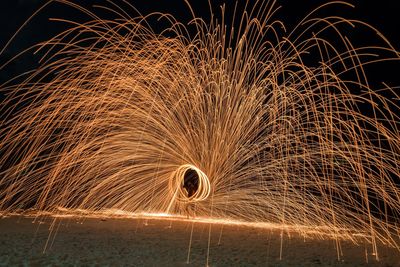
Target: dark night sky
[(383, 14)]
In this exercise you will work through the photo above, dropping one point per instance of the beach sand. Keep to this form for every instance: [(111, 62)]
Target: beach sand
[(161, 242)]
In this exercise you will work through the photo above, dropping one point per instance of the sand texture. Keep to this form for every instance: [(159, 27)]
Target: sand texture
[(154, 242)]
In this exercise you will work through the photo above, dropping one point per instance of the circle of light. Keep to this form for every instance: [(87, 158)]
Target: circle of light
[(177, 180)]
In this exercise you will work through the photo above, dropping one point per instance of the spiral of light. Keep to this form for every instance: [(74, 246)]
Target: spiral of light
[(177, 184)]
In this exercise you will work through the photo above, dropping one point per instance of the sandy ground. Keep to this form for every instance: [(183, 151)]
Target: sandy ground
[(155, 242)]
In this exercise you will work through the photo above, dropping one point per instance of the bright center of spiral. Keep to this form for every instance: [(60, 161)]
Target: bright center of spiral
[(190, 184)]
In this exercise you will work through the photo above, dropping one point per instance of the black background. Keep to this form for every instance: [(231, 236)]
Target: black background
[(382, 14)]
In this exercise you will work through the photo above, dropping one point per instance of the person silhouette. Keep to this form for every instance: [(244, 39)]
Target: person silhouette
[(191, 185), (191, 182)]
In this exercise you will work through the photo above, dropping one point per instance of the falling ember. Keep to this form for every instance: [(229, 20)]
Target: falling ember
[(252, 124)]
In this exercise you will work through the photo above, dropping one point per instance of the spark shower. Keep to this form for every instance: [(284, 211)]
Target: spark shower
[(231, 119)]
